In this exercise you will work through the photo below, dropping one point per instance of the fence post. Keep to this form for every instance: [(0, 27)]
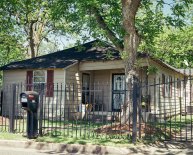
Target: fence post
[(41, 113), (134, 96), (12, 109)]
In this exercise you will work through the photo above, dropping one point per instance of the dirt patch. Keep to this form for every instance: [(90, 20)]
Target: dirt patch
[(126, 129), (119, 128)]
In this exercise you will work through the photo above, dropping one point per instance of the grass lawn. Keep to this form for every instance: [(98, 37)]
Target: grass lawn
[(168, 129), (83, 141), (75, 132), (69, 140), (11, 136)]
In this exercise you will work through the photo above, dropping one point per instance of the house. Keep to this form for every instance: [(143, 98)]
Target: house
[(94, 74)]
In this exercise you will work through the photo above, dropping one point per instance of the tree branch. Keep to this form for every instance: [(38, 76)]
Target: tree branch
[(129, 11), (102, 24)]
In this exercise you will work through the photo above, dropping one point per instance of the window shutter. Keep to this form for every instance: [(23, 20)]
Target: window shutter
[(50, 83), (29, 81)]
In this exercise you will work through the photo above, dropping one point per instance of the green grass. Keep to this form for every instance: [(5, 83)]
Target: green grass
[(11, 136), (96, 141), (177, 122), (73, 129), (83, 132), (75, 123), (168, 129), (183, 119), (80, 132)]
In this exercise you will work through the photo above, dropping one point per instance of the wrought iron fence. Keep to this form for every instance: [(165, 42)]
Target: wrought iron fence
[(159, 110)]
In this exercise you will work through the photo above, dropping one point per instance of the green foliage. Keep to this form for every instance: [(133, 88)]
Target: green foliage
[(11, 48), (11, 136), (72, 17), (174, 46), (152, 70), (78, 14), (152, 21), (149, 21), (31, 23)]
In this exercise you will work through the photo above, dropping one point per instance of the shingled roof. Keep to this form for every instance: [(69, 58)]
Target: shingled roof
[(91, 51)]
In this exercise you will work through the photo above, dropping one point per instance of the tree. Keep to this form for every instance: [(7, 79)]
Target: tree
[(174, 46), (10, 44), (125, 23), (31, 21)]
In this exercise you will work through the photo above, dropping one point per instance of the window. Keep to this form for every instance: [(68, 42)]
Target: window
[(166, 86), (39, 76), (119, 82), (179, 87), (39, 80), (169, 84)]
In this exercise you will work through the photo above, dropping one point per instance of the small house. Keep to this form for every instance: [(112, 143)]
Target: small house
[(91, 76)]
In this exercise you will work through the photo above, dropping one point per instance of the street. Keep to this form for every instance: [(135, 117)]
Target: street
[(27, 151), (13, 147), (20, 151)]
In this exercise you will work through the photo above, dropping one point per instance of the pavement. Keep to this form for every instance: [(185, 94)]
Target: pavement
[(30, 147)]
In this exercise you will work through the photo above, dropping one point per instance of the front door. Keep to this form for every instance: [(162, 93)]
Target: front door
[(118, 91)]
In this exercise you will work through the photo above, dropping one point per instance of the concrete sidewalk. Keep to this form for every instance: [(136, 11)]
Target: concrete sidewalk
[(167, 148)]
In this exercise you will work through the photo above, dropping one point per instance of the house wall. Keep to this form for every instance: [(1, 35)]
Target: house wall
[(103, 85), (103, 82), (59, 76), (66, 98), (70, 79), (73, 91), (14, 83), (158, 103), (165, 106), (14, 76), (100, 86), (100, 82), (19, 76), (101, 65), (54, 106)]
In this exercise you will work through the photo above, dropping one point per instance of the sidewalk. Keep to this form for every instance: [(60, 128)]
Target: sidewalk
[(61, 149)]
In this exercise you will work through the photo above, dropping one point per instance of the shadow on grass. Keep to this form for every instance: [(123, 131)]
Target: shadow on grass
[(100, 140)]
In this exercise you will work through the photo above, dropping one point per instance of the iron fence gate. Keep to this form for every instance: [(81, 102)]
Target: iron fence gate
[(160, 110)]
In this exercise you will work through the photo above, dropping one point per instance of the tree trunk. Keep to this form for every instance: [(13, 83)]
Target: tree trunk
[(31, 40), (131, 43)]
